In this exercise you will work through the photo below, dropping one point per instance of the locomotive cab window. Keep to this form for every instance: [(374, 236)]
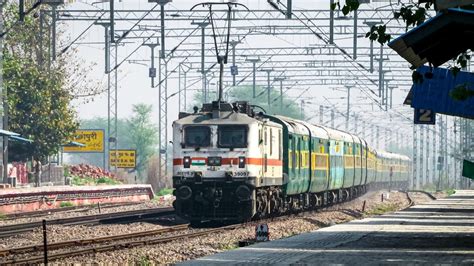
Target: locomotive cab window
[(197, 136), (232, 136)]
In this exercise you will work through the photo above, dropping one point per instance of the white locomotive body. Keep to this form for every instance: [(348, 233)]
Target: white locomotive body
[(220, 158)]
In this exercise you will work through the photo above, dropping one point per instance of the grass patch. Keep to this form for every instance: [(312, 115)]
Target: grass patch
[(229, 246), (165, 191), (107, 181), (450, 191), (144, 261), (382, 208), (89, 181), (2, 216), (64, 204)]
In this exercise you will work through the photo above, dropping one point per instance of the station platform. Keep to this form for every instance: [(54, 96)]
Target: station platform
[(438, 232), (13, 200)]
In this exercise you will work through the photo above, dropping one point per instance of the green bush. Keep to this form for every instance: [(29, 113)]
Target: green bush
[(2, 216), (67, 172), (82, 181), (107, 181), (165, 191), (450, 191), (64, 204), (144, 261), (382, 208)]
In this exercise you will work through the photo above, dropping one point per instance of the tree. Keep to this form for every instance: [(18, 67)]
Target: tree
[(37, 98), (143, 135), (39, 91), (38, 109), (245, 93)]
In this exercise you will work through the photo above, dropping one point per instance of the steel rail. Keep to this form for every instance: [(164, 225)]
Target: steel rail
[(11, 230), (30, 214), (88, 241), (424, 192), (115, 246)]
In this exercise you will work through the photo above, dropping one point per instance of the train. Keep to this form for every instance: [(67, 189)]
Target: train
[(234, 163)]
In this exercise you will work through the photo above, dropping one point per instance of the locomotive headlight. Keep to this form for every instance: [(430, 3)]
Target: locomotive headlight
[(187, 162), (241, 162)]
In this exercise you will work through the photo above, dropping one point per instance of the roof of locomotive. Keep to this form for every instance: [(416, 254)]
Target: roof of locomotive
[(225, 118)]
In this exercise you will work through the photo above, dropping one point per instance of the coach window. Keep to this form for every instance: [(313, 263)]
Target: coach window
[(197, 136)]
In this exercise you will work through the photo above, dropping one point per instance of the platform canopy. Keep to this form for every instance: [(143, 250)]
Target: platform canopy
[(438, 39), (20, 139), (7, 133), (14, 136)]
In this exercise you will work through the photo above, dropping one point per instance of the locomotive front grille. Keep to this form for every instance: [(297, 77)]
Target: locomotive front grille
[(214, 201)]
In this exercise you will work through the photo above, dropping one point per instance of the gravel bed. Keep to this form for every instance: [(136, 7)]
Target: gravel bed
[(187, 249), (87, 210)]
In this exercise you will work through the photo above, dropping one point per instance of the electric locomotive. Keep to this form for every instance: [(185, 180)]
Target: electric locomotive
[(231, 163)]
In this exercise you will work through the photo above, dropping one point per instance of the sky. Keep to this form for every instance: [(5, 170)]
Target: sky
[(134, 84)]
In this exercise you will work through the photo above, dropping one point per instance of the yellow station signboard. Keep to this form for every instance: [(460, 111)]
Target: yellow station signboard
[(123, 158), (93, 139)]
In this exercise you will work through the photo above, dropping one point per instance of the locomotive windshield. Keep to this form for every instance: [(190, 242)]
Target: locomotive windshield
[(232, 136), (197, 136)]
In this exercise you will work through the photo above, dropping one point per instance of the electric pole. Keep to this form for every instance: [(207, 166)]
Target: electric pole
[(280, 79), (203, 26), (348, 106), (254, 69), (269, 71), (234, 67)]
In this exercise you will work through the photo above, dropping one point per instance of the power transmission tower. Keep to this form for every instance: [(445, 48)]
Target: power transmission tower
[(3, 102), (163, 97)]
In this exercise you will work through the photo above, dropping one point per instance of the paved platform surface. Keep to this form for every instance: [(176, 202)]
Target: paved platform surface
[(438, 232)]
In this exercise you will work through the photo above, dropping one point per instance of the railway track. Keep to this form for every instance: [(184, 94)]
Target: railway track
[(424, 192), (411, 202), (115, 217), (84, 242), (84, 208), (106, 243)]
